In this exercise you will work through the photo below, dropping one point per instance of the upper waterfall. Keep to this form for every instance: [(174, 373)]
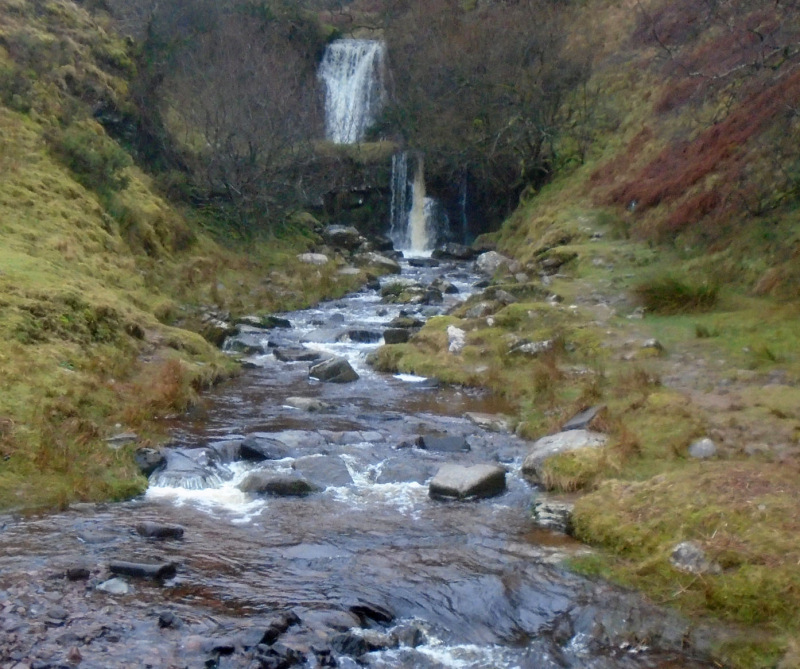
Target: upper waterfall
[(352, 70)]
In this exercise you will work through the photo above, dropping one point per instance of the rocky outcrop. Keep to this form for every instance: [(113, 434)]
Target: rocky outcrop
[(325, 471), (555, 444), (381, 263), (334, 370), (490, 262), (460, 482)]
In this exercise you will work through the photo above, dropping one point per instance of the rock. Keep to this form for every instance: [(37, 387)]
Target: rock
[(167, 619), (396, 336), (115, 586), (119, 440), (447, 444), (159, 531), (406, 321), (689, 557), (547, 447), (191, 468), (342, 237), (443, 286), (583, 420), (78, 572), (296, 354), (377, 640), (313, 258), (348, 643), (409, 635), (456, 338), (432, 296), (379, 262), (423, 262), (459, 482), (278, 626), (490, 262), (531, 348), (324, 470), (217, 331), (258, 447), (653, 345), (143, 570), (310, 404), (229, 450), (554, 259), (397, 470), (481, 309), (334, 370), (269, 322), (323, 336), (362, 336), (703, 448), (267, 483), (367, 611), (149, 460), (488, 421), (553, 515), (453, 251)]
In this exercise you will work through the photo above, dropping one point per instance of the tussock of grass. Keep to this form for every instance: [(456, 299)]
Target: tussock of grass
[(671, 295)]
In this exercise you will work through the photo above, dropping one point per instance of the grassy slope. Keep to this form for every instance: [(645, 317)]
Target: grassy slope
[(102, 290), (692, 177)]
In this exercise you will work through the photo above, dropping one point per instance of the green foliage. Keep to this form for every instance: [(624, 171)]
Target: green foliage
[(671, 295), (97, 161)]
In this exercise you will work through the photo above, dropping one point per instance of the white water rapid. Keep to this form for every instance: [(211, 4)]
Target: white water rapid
[(352, 70), (415, 218)]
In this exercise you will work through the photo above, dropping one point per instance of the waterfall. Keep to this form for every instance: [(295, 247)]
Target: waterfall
[(415, 219), (352, 70)]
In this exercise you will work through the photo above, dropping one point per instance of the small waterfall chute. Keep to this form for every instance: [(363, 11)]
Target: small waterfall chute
[(352, 70)]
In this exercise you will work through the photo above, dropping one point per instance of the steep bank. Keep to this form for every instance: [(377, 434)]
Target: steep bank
[(105, 285)]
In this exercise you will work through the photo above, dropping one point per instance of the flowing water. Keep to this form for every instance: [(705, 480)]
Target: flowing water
[(447, 584)]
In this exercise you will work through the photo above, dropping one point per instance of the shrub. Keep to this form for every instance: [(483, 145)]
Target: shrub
[(670, 295), (96, 160)]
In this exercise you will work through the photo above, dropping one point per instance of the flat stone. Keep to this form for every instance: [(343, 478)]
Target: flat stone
[(266, 483), (446, 444), (296, 354), (324, 470), (159, 530), (115, 586), (553, 514), (489, 421), (310, 404), (583, 420), (459, 482), (547, 447), (258, 447), (143, 570)]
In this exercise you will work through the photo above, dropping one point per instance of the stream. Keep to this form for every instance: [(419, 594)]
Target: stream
[(369, 570)]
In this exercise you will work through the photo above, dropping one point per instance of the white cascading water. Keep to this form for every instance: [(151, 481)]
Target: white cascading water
[(414, 218), (352, 70), (400, 202), (417, 218)]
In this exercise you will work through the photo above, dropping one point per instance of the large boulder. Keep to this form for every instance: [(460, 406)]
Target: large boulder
[(396, 335), (460, 482), (555, 444), (490, 262), (342, 237), (453, 251), (380, 263), (258, 447), (323, 470), (269, 483), (334, 370)]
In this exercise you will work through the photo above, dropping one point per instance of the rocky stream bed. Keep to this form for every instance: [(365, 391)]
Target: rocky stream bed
[(373, 520)]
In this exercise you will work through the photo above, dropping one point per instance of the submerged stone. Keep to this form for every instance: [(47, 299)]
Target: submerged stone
[(459, 482), (334, 370)]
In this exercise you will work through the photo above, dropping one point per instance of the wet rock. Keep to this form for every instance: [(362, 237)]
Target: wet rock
[(259, 447), (367, 611), (324, 470), (446, 444), (323, 336), (362, 336), (190, 468), (432, 296), (115, 586), (335, 370), (167, 619), (453, 251), (381, 263), (703, 448), (553, 514), (267, 483), (310, 404), (488, 421), (246, 345), (406, 321), (689, 557), (490, 262), (459, 482), (77, 572), (296, 354), (159, 530), (342, 237), (149, 460), (229, 450), (444, 286), (456, 339), (554, 444), (397, 470), (313, 258), (377, 640), (277, 626), (423, 262), (482, 309), (297, 439), (271, 322), (584, 419), (409, 635), (396, 335), (143, 570)]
